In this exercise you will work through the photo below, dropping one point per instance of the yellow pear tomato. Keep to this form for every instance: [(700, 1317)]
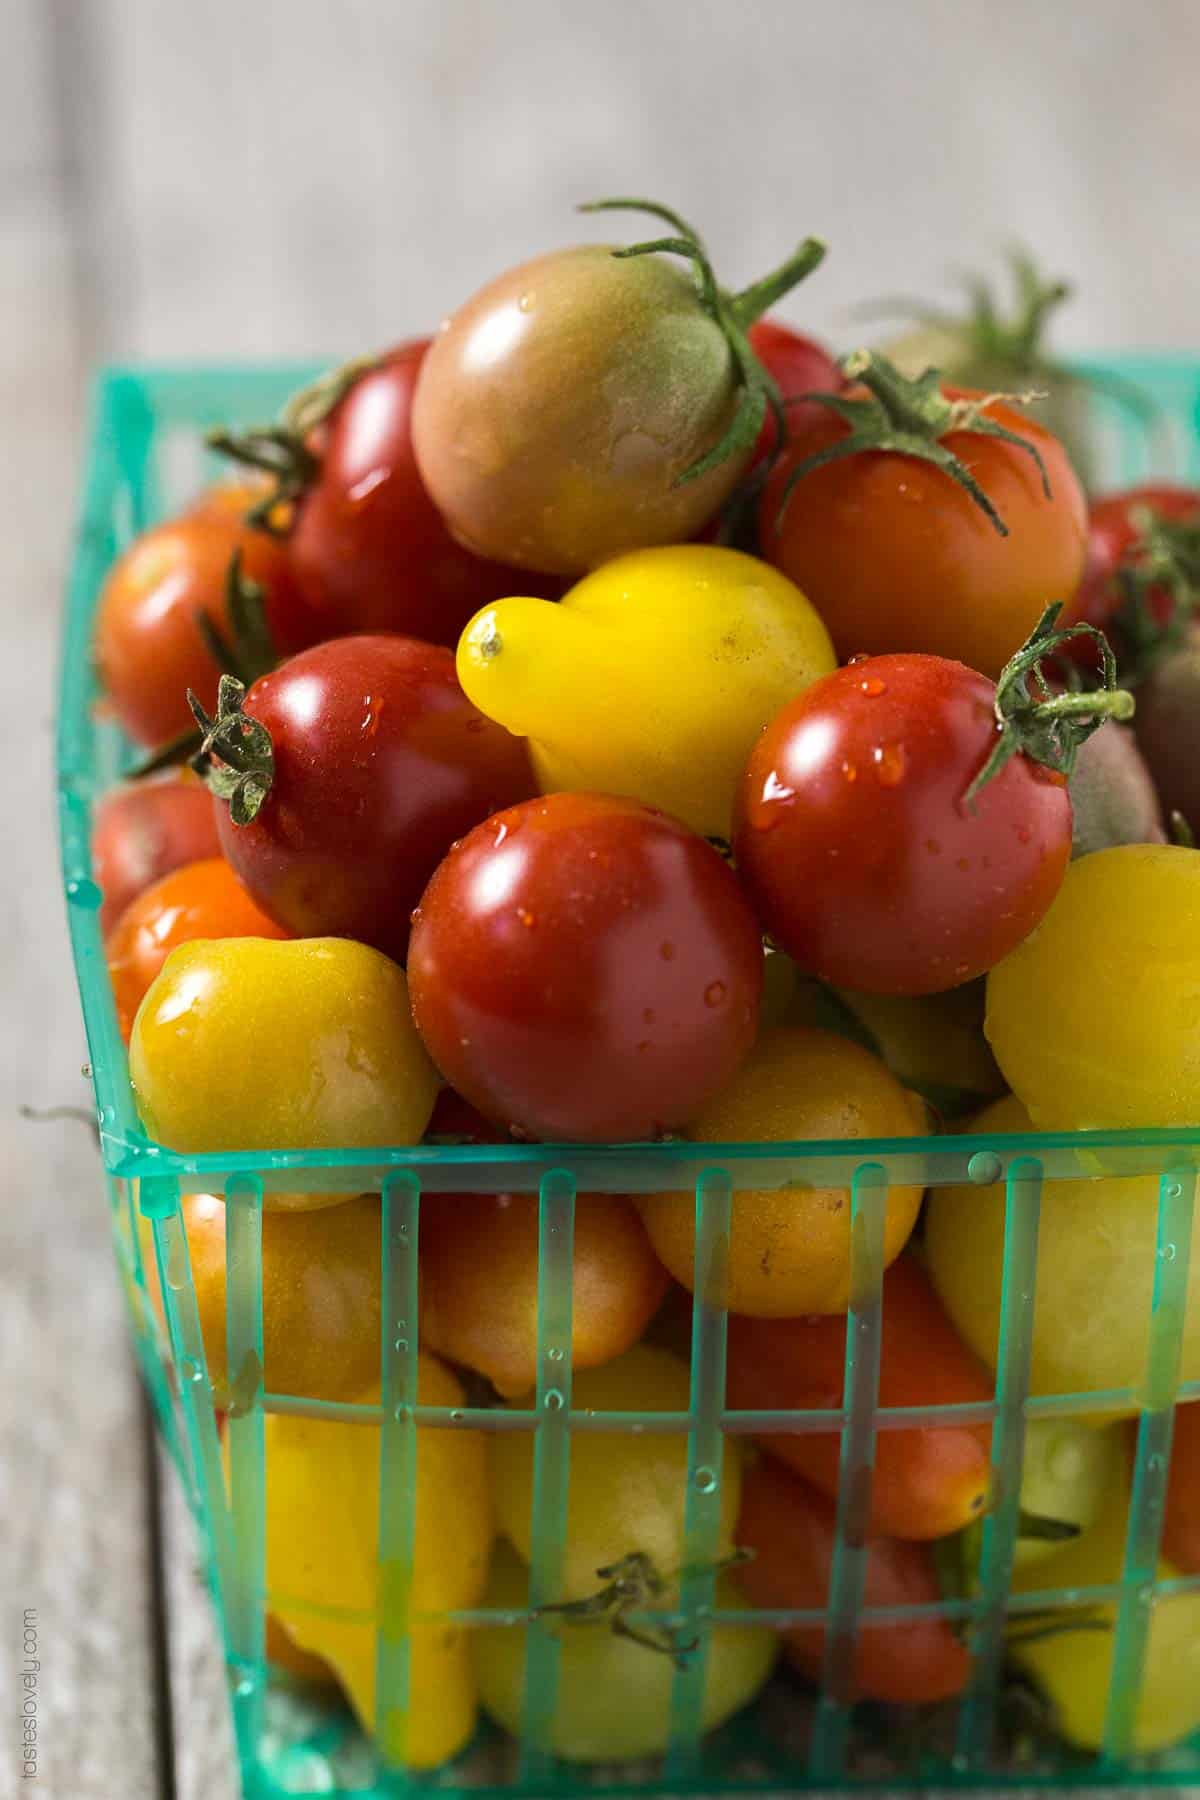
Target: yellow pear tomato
[(651, 678), (323, 1577), (789, 1248)]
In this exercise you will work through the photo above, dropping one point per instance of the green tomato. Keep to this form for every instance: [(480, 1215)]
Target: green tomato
[(1073, 1668), (614, 1695), (1093, 1018), (628, 1492), (1069, 1467), (1096, 1259)]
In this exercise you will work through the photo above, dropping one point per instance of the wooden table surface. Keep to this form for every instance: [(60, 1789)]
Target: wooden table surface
[(271, 179)]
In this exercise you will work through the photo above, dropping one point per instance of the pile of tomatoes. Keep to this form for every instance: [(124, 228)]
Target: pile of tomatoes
[(614, 719)]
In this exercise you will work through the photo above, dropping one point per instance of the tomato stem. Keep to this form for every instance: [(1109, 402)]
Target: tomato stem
[(910, 418), (1033, 720), (236, 759), (734, 313)]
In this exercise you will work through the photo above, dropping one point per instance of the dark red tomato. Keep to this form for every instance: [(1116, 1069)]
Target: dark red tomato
[(145, 830), (799, 365), (368, 547), (585, 967), (1116, 527), (380, 762), (791, 1530), (855, 841), (148, 648)]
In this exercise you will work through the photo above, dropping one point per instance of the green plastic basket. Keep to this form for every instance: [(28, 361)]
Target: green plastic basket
[(145, 455)]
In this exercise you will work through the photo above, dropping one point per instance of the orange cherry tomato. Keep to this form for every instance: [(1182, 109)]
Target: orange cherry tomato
[(928, 1481), (896, 556), (791, 1529), (148, 648), (1181, 1528), (201, 900)]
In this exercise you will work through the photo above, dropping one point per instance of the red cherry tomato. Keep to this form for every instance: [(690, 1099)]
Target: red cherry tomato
[(584, 967), (368, 547), (148, 648), (145, 830), (1181, 1527), (380, 762), (200, 900), (855, 842), (1116, 528), (895, 555), (792, 1530), (800, 366)]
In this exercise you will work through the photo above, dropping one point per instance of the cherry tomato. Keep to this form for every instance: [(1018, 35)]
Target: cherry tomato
[(148, 648), (896, 556), (1181, 1529), (789, 1248), (584, 967), (1167, 727), (145, 830), (1116, 544), (318, 1033), (320, 1290), (928, 1481), (792, 1530), (379, 763), (857, 844), (368, 549), (200, 900), (561, 409), (798, 365)]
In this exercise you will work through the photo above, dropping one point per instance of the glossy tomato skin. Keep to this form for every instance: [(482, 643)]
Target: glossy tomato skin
[(855, 844), (145, 830), (800, 366), (368, 547), (381, 762), (896, 556), (201, 900), (148, 648), (584, 967), (1115, 526), (791, 1530)]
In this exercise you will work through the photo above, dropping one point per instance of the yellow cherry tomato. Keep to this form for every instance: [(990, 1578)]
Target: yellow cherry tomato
[(628, 1491), (1069, 1467), (614, 1695), (651, 678), (1074, 1669), (789, 1248), (1093, 1018), (323, 1576), (245, 1044), (1096, 1258)]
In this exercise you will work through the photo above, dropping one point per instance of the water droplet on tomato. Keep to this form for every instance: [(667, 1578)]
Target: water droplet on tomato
[(528, 919), (872, 687), (776, 791), (891, 764), (667, 952), (501, 834), (714, 993), (526, 303), (849, 771), (414, 917)]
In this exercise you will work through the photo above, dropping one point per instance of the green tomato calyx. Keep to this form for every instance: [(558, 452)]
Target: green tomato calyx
[(910, 418), (284, 450), (632, 1586), (995, 337), (1164, 559), (734, 313), (1033, 719), (236, 759)]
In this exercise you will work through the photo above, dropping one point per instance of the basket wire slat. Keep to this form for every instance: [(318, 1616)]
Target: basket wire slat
[(145, 432)]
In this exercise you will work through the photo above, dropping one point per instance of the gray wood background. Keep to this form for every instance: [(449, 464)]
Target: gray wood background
[(188, 178)]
